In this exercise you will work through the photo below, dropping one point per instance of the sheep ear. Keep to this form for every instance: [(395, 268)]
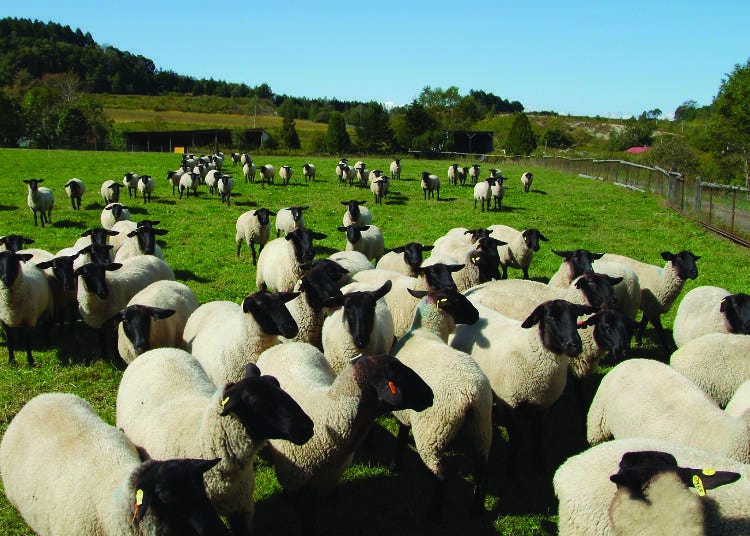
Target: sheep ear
[(160, 232), (382, 291), (287, 296), (160, 314), (597, 256), (346, 203), (706, 478), (667, 256), (590, 321), (335, 301), (364, 228), (419, 294), (108, 207), (251, 371), (581, 310), (44, 265), (271, 213), (341, 228), (543, 238), (427, 248), (87, 232), (399, 249), (319, 236), (361, 202), (563, 254), (25, 257), (615, 280), (304, 208), (112, 233), (26, 181), (131, 234), (534, 317), (112, 266)]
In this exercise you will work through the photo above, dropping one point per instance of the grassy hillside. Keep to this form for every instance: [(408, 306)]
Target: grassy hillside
[(572, 212)]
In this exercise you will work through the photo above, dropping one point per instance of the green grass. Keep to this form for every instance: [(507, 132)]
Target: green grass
[(572, 212)]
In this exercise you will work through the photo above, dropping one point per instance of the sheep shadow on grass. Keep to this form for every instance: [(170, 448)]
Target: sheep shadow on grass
[(188, 275), (137, 210), (325, 250), (247, 203), (7, 207), (69, 224), (540, 192), (163, 202)]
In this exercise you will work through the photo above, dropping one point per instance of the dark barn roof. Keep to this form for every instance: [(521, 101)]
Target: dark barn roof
[(471, 141), (166, 141)]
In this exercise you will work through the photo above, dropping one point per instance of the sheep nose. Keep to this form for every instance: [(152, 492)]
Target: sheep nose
[(573, 348)]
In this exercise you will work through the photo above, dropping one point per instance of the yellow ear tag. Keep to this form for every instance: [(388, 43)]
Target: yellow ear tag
[(474, 260), (708, 471), (442, 300), (698, 485), (139, 497), (224, 402)]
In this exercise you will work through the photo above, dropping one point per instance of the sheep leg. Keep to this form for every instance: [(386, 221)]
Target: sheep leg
[(306, 503), (402, 440), (640, 329), (480, 483), (438, 493), (241, 524), (525, 273), (26, 337), (666, 344), (252, 250), (73, 203), (8, 334)]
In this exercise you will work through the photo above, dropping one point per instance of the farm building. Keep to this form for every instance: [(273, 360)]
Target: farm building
[(168, 140), (471, 141)]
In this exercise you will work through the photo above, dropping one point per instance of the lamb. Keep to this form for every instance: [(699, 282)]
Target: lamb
[(68, 472), (188, 181), (575, 263), (174, 177), (40, 199), (343, 407), (474, 173), (520, 248), (367, 239), (75, 188), (406, 259), (141, 241), (110, 191), (379, 188), (225, 187), (285, 173), (224, 336), (282, 260), (168, 405), (356, 213), (253, 227), (249, 170), (483, 192), (113, 213), (290, 218), (462, 396), (308, 171), (430, 185), (25, 297), (130, 181), (154, 318), (718, 363), (659, 287), (498, 192), (360, 324), (526, 179), (645, 398), (267, 174), (395, 169), (145, 187), (710, 310), (585, 488)]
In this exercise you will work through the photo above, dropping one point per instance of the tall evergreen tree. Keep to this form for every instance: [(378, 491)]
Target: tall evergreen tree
[(521, 139), (289, 137), (337, 138)]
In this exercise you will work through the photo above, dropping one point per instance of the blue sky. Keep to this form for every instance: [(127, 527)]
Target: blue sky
[(613, 59)]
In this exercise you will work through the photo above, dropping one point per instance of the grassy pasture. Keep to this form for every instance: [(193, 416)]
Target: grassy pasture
[(572, 212)]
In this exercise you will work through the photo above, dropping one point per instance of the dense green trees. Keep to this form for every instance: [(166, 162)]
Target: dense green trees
[(521, 139), (732, 123), (337, 138)]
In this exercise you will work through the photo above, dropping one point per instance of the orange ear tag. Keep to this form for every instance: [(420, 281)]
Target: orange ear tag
[(392, 387)]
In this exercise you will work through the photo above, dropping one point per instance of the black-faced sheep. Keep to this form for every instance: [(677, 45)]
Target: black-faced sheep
[(40, 199), (254, 227), (75, 188)]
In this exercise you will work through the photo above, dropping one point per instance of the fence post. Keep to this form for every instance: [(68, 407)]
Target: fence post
[(710, 204), (734, 205)]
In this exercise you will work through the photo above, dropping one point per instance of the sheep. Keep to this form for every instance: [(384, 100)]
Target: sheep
[(645, 398), (308, 171), (249, 170), (526, 363), (285, 174), (253, 227), (14, 242), (498, 192), (225, 186), (526, 179), (141, 241), (75, 188), (459, 237), (520, 248), (378, 188), (59, 272), (359, 324), (361, 174), (25, 297), (628, 291), (483, 192), (585, 488), (235, 158), (479, 265), (68, 472), (113, 213), (40, 199), (110, 191), (474, 173), (406, 259), (453, 174), (290, 218), (356, 213), (174, 177), (282, 260), (430, 185), (716, 362), (212, 180), (343, 407), (130, 181), (340, 173), (395, 169), (659, 287), (218, 160), (225, 336), (352, 261), (462, 396), (709, 309), (575, 263), (167, 405), (244, 158), (367, 239), (120, 231), (145, 187), (267, 174), (154, 317), (188, 181)]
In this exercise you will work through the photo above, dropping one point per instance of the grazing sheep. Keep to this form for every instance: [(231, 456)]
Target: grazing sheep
[(718, 363), (290, 218), (282, 261), (406, 259), (141, 241), (267, 174), (110, 191), (74, 189), (249, 170), (585, 488), (167, 405), (483, 192), (430, 185), (253, 227), (659, 287), (645, 398), (68, 472), (520, 248), (25, 297), (145, 187), (130, 181), (498, 192), (360, 323), (40, 199), (308, 171), (225, 186), (154, 318), (575, 263), (378, 188), (285, 173), (173, 177), (474, 173), (343, 407), (462, 403), (395, 169), (113, 213), (526, 179), (188, 181), (367, 239), (710, 310), (356, 213), (224, 336)]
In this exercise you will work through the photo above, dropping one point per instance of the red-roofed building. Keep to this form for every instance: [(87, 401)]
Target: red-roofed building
[(637, 150)]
